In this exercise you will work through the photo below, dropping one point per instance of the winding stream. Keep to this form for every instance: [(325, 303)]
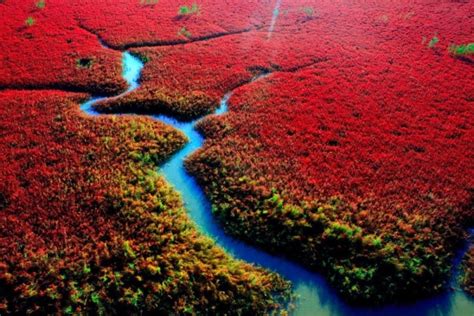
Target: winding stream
[(316, 297)]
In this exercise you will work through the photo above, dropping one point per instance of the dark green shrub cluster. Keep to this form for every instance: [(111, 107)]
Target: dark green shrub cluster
[(84, 63)]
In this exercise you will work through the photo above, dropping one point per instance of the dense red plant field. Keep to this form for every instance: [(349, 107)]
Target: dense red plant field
[(354, 156), (207, 70), (53, 51), (88, 225), (359, 165), (148, 23), (188, 80)]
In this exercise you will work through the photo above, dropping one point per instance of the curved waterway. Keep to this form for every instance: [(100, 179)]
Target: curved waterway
[(315, 296)]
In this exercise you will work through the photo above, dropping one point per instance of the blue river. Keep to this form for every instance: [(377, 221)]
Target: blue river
[(315, 296)]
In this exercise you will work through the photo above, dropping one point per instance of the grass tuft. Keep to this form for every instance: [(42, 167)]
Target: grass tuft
[(309, 11), (41, 4), (148, 2), (184, 32), (30, 21), (189, 10), (433, 42), (462, 50)]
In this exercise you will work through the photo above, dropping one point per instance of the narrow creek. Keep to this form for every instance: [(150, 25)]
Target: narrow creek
[(315, 296)]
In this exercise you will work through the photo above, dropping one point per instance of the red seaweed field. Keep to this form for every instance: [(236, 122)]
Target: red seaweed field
[(207, 157)]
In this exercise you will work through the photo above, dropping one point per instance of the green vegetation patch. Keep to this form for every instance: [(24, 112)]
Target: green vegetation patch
[(30, 21), (41, 4), (432, 43), (461, 50), (194, 9)]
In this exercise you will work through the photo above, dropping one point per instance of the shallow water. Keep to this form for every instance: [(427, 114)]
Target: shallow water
[(316, 297)]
